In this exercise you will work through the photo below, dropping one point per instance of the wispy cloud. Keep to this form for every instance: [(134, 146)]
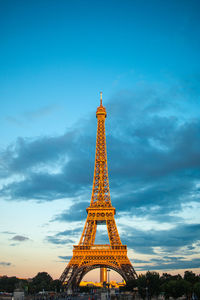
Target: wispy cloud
[(27, 116), (8, 232), (65, 237), (5, 264), (58, 240), (14, 121), (19, 238), (175, 265), (65, 257), (41, 112)]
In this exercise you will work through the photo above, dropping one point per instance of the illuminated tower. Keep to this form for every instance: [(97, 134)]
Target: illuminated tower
[(87, 255)]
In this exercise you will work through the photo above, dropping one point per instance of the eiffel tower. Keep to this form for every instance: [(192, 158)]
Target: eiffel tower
[(87, 255)]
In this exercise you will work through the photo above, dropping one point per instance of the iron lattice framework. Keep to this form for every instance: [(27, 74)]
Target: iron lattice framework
[(87, 255)]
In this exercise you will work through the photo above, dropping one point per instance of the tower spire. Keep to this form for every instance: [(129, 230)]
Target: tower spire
[(100, 98)]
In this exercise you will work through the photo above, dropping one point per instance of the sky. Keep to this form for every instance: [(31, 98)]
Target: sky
[(55, 58)]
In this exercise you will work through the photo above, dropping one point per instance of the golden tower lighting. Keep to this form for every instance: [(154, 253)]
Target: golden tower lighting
[(87, 255)]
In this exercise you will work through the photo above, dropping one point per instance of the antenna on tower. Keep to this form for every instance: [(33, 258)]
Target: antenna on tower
[(100, 98)]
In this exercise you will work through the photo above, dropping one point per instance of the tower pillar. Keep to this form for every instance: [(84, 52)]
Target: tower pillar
[(103, 274)]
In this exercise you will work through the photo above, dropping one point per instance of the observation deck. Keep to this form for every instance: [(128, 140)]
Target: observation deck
[(100, 247)]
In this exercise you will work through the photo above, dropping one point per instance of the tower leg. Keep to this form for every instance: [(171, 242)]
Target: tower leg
[(103, 274)]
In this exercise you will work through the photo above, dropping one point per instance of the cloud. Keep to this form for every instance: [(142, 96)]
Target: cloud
[(48, 168), (14, 121), (65, 237), (34, 115), (40, 187), (65, 257), (20, 238), (41, 112), (5, 264), (8, 232), (58, 241), (169, 241), (147, 146), (166, 265), (70, 232), (76, 212)]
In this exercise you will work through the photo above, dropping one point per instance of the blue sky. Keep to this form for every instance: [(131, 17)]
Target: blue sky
[(55, 58)]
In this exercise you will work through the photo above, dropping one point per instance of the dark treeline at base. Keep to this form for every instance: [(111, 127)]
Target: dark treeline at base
[(148, 285), (152, 284), (42, 281)]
